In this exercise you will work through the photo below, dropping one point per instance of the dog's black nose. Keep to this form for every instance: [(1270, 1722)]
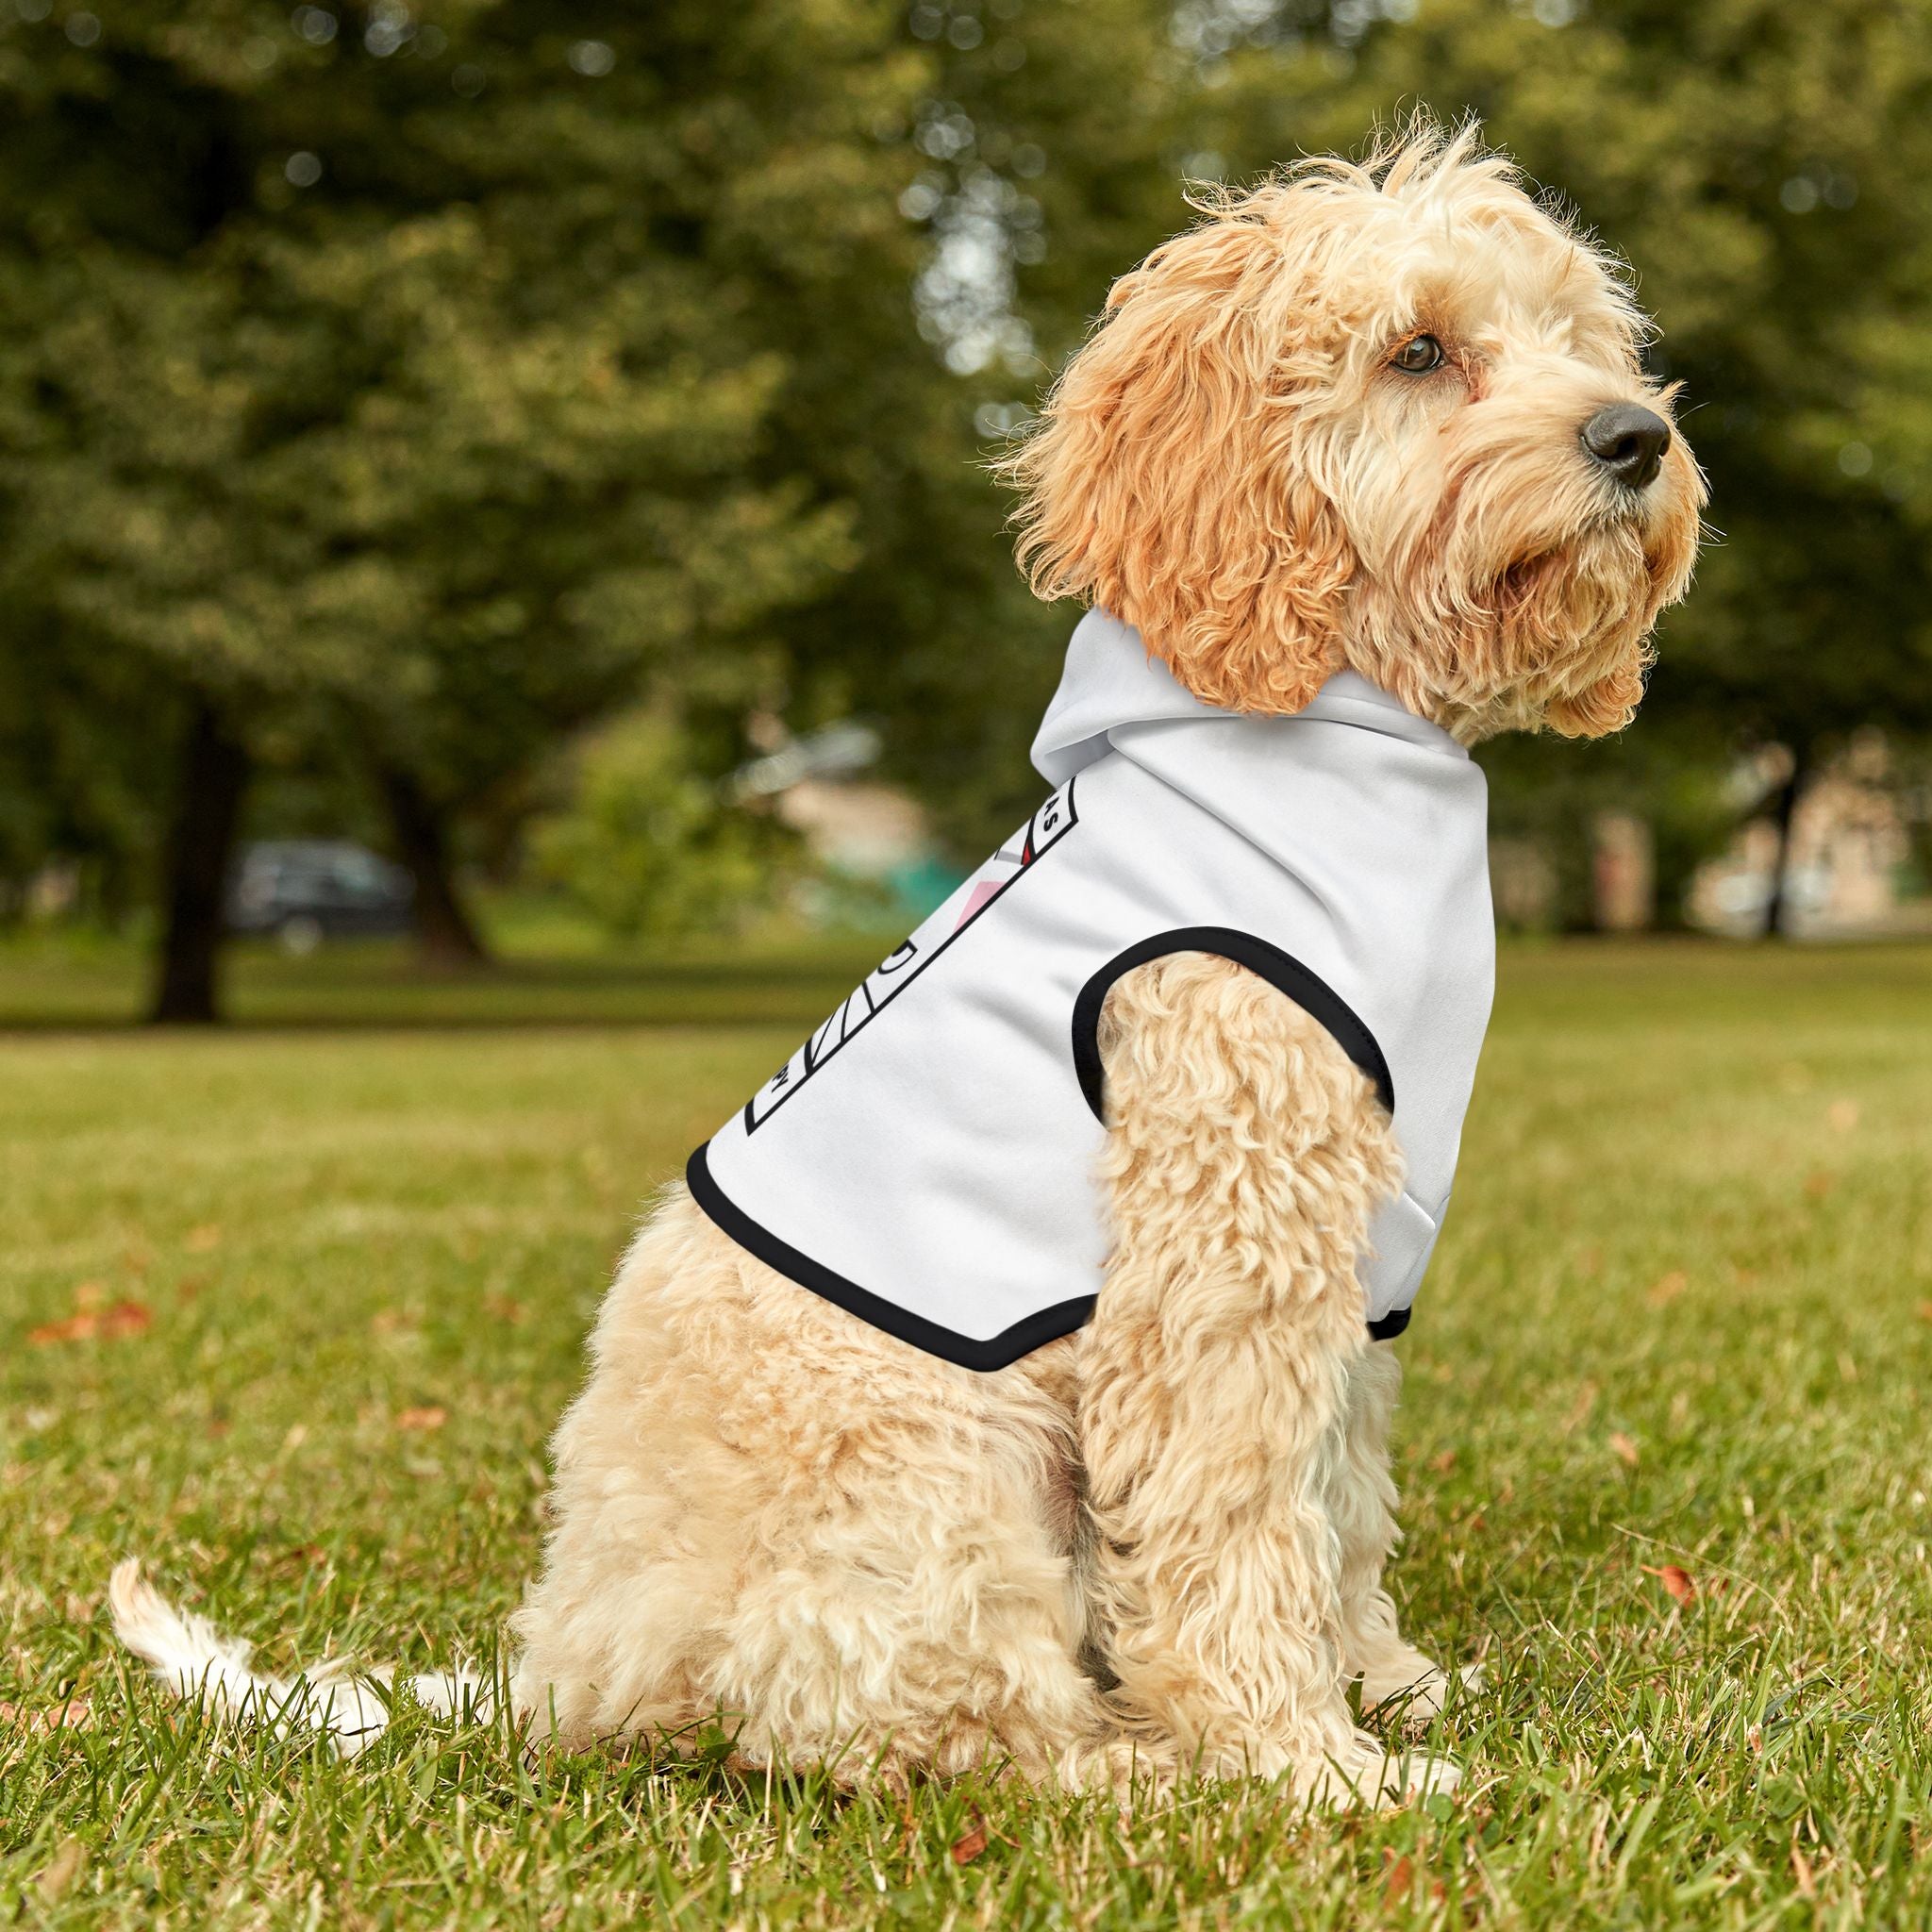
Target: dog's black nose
[(1629, 441)]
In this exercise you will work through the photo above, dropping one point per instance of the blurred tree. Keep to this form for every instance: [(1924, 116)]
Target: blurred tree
[(78, 778), (417, 386), (645, 846), (1049, 150), (410, 379), (1553, 796)]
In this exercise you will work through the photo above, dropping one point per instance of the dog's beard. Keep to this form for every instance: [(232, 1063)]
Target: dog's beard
[(1569, 630), (1555, 635)]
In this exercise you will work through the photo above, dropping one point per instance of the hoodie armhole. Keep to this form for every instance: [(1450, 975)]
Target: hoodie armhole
[(1287, 974)]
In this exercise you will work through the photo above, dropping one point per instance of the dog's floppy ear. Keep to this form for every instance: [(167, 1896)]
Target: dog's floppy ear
[(1165, 481)]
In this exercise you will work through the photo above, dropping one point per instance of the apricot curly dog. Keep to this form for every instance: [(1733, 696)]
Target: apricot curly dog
[(1004, 1382)]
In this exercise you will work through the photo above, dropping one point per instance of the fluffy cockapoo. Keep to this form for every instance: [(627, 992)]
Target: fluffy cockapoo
[(1009, 1381)]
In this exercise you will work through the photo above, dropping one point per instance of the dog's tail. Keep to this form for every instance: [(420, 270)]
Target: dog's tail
[(195, 1660)]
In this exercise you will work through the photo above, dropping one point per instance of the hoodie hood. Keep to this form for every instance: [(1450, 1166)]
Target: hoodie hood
[(1110, 682)]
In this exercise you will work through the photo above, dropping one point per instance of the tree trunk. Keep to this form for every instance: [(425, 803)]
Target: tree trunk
[(1777, 905), (445, 934), (201, 843)]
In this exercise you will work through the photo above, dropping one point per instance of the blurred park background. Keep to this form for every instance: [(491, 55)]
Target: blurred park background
[(512, 475), (494, 531)]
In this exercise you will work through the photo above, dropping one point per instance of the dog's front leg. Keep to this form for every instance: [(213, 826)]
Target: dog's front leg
[(1244, 1157), (1361, 1500)]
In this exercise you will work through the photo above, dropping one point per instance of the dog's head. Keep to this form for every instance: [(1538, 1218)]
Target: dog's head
[(1388, 415)]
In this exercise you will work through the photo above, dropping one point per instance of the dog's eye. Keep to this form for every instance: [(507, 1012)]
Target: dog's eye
[(1418, 356)]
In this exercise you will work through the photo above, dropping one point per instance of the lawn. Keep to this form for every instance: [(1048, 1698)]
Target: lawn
[(290, 1310)]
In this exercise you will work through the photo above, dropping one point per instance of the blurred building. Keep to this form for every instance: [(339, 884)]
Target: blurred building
[(1848, 871), (866, 835), (1850, 867)]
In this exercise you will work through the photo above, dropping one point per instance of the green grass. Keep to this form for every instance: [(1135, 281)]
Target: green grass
[(1680, 1317)]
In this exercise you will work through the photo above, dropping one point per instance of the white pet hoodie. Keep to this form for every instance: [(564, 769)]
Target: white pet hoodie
[(926, 1160)]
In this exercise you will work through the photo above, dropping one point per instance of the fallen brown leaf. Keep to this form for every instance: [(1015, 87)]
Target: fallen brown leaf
[(123, 1318), (1678, 1583), (58, 1874), (1399, 1882), (1925, 1311), (1624, 1448), (74, 1328), (1667, 1288), (967, 1848), (74, 1715), (427, 1417), (1443, 1463), (504, 1307), (1801, 1871)]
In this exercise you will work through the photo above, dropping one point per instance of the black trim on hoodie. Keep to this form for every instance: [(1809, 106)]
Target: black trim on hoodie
[(997, 1351), (1287, 974)]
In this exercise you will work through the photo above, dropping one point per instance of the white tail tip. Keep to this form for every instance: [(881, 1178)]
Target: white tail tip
[(195, 1662)]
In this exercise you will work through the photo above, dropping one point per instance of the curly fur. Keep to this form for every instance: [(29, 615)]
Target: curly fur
[(1231, 464), (1157, 1544), (867, 1557)]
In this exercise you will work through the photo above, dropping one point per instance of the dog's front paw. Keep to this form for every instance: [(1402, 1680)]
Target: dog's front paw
[(1367, 1772), (1414, 1691)]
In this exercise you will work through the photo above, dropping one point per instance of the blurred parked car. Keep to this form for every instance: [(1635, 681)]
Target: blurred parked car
[(304, 890)]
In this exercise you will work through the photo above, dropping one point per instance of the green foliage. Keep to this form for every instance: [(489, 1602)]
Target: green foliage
[(647, 847), (423, 386), (83, 763), (1761, 161), (1671, 1228), (417, 389), (1043, 155)]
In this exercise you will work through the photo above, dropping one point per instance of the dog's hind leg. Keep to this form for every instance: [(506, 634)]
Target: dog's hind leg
[(1246, 1155), (772, 1517)]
